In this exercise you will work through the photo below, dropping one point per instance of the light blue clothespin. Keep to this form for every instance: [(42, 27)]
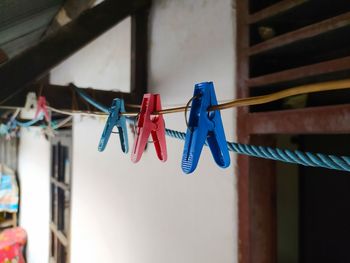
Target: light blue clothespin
[(3, 129), (118, 120), (204, 126)]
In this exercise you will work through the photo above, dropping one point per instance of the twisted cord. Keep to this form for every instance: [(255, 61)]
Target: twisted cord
[(29, 123), (90, 100), (341, 163)]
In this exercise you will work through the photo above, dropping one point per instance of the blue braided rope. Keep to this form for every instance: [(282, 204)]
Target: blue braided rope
[(341, 163), (29, 123), (90, 100)]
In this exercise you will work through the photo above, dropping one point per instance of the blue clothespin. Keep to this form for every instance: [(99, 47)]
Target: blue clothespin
[(204, 126), (4, 130), (115, 119)]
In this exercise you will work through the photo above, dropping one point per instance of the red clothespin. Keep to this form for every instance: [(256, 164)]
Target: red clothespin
[(42, 107), (150, 124)]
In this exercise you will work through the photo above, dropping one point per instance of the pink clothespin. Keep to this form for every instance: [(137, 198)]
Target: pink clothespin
[(149, 124), (42, 107)]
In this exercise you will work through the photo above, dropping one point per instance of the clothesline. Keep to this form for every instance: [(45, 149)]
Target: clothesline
[(309, 88), (297, 157)]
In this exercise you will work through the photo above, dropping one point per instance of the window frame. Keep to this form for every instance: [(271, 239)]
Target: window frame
[(61, 152)]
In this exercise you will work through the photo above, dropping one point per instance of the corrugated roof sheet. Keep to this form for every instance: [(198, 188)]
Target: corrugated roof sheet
[(23, 22)]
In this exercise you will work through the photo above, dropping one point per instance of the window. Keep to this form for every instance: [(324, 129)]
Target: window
[(290, 213), (60, 192)]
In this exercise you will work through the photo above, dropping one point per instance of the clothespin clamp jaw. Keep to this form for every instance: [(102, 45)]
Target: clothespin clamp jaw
[(204, 126), (28, 112), (150, 124), (115, 119), (42, 107)]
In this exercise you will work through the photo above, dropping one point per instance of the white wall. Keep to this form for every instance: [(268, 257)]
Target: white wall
[(34, 170), (151, 212), (103, 64), (148, 212)]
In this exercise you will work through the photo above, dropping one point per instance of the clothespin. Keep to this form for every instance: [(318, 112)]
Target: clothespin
[(28, 112), (42, 107), (149, 124), (47, 131), (31, 101), (204, 126), (115, 119), (3, 129)]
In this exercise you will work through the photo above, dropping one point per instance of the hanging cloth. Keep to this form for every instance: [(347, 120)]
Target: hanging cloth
[(9, 194)]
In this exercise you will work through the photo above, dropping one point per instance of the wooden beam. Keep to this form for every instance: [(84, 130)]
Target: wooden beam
[(242, 169), (139, 55), (302, 33), (279, 7), (74, 7), (326, 119), (37, 61), (63, 97), (59, 184), (262, 204), (331, 66), (59, 234), (3, 56)]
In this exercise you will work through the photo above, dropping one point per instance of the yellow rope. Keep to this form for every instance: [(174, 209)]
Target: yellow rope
[(310, 88)]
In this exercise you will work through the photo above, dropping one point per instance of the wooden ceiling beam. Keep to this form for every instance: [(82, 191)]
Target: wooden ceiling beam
[(64, 97), (37, 61)]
